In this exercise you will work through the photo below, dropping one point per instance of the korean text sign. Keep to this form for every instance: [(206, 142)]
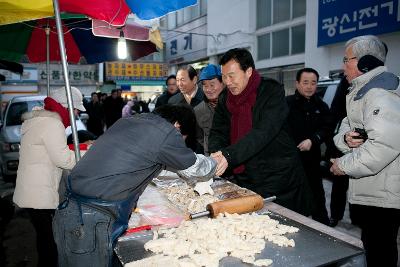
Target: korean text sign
[(135, 71), (340, 20)]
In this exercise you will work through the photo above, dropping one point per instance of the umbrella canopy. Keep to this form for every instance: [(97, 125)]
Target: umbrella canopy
[(112, 11), (11, 66), (145, 9), (27, 42)]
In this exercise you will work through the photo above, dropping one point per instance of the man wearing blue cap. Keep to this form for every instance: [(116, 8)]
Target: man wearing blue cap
[(211, 81)]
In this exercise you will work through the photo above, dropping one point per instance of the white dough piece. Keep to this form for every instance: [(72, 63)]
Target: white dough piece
[(204, 188), (204, 242), (263, 262), (187, 199)]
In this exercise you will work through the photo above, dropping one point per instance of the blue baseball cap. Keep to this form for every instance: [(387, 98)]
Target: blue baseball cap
[(210, 72)]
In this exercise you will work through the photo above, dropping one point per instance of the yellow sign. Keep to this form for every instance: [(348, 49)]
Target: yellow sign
[(135, 71)]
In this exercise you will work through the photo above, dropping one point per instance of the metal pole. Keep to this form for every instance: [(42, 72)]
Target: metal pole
[(47, 30), (66, 78)]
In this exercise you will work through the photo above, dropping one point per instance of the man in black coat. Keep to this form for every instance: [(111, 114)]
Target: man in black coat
[(95, 123), (250, 137), (113, 105), (172, 90), (311, 125), (189, 92)]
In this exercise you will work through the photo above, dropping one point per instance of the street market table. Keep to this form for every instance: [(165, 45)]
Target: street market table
[(316, 244)]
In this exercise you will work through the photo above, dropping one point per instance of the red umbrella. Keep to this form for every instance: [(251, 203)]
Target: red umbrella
[(27, 41), (144, 9), (114, 12)]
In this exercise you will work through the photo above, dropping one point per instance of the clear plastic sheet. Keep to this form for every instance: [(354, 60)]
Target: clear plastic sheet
[(160, 215), (167, 179)]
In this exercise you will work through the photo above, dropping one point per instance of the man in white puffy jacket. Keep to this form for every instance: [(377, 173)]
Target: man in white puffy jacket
[(370, 139)]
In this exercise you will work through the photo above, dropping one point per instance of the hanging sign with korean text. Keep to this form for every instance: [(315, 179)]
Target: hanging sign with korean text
[(130, 71), (78, 74), (340, 20)]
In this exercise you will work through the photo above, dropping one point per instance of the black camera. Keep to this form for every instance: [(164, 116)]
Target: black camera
[(362, 134)]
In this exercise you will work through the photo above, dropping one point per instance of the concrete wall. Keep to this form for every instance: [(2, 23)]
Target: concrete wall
[(183, 53), (230, 24)]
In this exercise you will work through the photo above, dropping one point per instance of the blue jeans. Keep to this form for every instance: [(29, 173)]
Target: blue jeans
[(88, 244)]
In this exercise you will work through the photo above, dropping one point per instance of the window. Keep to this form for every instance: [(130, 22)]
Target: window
[(263, 13), (203, 7), (263, 44), (187, 14), (278, 33), (280, 43), (17, 109), (271, 12), (163, 22), (171, 20), (281, 11), (298, 39), (299, 8), (194, 11), (179, 17)]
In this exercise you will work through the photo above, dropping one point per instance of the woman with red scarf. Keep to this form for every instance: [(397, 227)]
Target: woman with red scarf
[(43, 155), (250, 138)]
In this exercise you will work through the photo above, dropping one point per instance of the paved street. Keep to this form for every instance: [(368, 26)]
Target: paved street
[(19, 237)]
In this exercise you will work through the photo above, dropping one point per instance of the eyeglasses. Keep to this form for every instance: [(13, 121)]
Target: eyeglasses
[(345, 59)]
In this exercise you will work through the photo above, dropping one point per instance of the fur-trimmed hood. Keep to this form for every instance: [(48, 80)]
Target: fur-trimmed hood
[(31, 118), (40, 113)]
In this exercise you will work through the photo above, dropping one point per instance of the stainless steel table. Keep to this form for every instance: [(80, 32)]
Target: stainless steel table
[(316, 244)]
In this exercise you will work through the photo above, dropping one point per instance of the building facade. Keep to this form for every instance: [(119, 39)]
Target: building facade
[(282, 35), (331, 23)]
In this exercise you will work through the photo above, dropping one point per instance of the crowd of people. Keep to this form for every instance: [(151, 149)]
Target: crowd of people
[(104, 110), (226, 121)]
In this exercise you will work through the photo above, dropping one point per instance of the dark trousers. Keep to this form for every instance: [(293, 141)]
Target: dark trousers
[(312, 170), (379, 229), (46, 247), (340, 184)]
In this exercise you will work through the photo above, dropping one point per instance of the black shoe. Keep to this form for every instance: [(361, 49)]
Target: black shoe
[(333, 222), (325, 220)]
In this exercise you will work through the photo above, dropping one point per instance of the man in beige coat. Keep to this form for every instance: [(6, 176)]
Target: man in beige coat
[(43, 155), (369, 139)]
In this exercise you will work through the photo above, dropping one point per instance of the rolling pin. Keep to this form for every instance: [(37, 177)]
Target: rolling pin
[(238, 205)]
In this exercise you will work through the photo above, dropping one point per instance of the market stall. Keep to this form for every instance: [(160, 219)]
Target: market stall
[(315, 244)]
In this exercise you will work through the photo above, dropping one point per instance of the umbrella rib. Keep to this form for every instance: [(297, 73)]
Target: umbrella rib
[(77, 28), (116, 14), (75, 22), (65, 24)]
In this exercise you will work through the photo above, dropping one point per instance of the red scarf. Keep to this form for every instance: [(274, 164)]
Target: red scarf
[(241, 107), (51, 105)]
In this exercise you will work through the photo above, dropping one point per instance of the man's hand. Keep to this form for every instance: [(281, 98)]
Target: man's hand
[(305, 145), (222, 163), (352, 140), (335, 168)]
